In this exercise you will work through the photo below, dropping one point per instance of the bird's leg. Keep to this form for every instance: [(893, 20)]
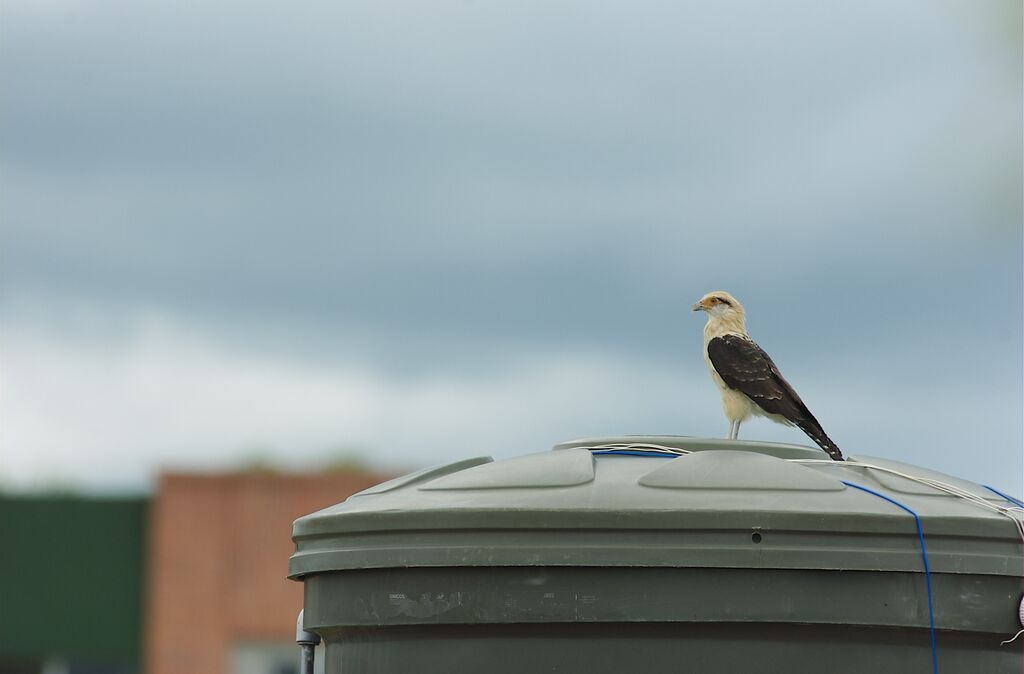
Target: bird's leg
[(736, 433), (732, 430)]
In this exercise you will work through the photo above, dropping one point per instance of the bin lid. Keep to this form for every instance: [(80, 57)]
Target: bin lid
[(665, 501)]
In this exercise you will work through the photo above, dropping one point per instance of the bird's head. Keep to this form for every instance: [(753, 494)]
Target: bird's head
[(720, 304)]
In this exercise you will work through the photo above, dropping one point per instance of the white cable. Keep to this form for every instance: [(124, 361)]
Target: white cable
[(1014, 513), (1011, 640), (674, 451)]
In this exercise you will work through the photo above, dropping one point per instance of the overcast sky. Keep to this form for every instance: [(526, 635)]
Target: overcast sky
[(427, 231)]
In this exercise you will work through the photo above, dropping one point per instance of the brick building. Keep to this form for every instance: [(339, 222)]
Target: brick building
[(218, 601)]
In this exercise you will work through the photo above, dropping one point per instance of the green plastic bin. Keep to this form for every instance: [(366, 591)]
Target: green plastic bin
[(733, 558)]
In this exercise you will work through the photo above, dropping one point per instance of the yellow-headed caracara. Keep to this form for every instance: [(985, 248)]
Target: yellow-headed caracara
[(750, 383)]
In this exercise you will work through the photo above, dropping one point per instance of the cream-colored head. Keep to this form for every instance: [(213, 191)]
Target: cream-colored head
[(723, 308)]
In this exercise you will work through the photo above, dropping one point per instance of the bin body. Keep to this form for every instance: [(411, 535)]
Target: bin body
[(738, 556)]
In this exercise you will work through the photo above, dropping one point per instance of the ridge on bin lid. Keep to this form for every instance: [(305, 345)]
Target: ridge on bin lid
[(543, 469), (424, 475), (729, 469)]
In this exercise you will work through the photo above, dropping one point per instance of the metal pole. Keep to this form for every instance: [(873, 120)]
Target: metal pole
[(307, 641)]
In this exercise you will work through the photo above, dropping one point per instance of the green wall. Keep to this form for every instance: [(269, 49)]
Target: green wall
[(71, 578)]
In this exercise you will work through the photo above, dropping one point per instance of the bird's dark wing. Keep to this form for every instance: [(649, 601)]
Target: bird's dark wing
[(745, 367)]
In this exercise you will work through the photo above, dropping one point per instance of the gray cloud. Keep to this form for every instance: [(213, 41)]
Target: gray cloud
[(420, 194)]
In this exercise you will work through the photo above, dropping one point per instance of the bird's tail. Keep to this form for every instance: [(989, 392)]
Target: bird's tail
[(815, 432)]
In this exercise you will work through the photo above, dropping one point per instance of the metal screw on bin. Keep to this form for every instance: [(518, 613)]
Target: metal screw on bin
[(308, 642)]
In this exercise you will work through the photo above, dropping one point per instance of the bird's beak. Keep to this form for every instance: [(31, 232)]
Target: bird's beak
[(698, 307)]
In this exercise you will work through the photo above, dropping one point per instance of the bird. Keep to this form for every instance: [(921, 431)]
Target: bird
[(748, 379)]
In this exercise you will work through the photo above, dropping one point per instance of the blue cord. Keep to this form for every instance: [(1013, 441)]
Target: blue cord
[(924, 556), (1009, 498), (634, 452)]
